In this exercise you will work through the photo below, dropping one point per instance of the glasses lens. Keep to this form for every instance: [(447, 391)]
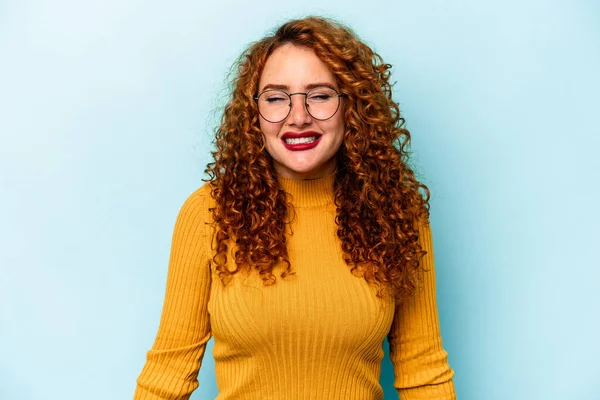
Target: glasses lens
[(322, 102), (274, 105)]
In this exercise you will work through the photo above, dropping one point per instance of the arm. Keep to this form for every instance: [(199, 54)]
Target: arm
[(172, 364), (420, 363)]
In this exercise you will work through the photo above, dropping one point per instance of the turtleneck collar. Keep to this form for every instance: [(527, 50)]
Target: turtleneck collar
[(310, 192)]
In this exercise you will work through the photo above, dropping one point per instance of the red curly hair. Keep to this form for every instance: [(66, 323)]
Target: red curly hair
[(377, 196)]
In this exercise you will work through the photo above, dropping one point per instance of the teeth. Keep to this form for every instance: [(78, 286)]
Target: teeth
[(302, 140)]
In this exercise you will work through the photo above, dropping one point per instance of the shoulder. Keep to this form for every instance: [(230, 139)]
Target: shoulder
[(197, 205), (203, 193), (423, 224)]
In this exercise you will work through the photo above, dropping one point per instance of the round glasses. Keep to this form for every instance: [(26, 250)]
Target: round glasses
[(321, 103)]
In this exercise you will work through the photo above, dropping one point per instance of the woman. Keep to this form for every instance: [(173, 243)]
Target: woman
[(310, 242)]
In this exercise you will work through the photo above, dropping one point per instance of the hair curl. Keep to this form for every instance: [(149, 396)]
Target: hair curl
[(377, 196)]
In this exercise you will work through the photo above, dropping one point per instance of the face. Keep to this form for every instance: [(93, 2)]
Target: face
[(297, 69)]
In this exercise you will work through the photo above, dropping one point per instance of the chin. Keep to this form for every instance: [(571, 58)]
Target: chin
[(303, 169)]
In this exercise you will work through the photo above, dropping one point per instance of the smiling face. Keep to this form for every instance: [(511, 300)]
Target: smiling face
[(301, 146)]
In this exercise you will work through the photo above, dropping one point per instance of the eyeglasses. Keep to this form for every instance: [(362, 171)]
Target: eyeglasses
[(321, 103)]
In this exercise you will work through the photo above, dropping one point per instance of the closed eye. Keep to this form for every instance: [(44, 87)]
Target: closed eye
[(275, 99), (320, 96)]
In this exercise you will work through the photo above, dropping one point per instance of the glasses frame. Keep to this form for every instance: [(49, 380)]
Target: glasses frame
[(306, 105)]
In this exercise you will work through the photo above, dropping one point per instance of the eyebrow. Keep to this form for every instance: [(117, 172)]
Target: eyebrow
[(272, 86)]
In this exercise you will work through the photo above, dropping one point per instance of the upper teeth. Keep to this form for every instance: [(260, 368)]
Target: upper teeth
[(307, 139)]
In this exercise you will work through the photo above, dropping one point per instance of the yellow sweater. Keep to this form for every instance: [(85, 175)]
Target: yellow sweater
[(315, 335)]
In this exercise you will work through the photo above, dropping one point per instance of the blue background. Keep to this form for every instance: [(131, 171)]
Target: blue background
[(106, 114)]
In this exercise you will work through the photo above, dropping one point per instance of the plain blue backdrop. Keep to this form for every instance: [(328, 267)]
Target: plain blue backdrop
[(106, 113)]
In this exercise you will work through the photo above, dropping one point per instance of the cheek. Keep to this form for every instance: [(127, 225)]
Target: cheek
[(340, 129), (268, 130)]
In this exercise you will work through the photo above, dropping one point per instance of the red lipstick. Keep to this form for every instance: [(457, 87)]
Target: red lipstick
[(299, 141)]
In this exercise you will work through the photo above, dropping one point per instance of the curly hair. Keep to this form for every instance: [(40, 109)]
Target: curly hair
[(377, 197)]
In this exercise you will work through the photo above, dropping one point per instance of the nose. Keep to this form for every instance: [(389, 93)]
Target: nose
[(299, 115)]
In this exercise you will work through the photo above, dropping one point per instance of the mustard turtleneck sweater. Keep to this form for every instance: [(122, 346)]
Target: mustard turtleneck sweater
[(315, 335)]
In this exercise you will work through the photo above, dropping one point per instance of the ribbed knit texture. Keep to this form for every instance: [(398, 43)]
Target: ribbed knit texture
[(315, 335)]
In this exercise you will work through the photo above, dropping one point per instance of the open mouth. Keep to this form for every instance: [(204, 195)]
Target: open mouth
[(300, 140)]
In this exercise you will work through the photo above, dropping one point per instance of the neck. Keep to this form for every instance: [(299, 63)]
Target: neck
[(324, 170), (309, 192)]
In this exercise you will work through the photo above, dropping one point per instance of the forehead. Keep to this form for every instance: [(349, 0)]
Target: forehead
[(296, 67)]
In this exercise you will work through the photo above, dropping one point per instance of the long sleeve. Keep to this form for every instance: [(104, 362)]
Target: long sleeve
[(172, 365), (420, 362)]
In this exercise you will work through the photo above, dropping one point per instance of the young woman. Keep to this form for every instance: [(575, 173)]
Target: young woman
[(310, 242)]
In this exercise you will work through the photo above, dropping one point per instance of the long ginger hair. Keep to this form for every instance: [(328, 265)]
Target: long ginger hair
[(378, 199)]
